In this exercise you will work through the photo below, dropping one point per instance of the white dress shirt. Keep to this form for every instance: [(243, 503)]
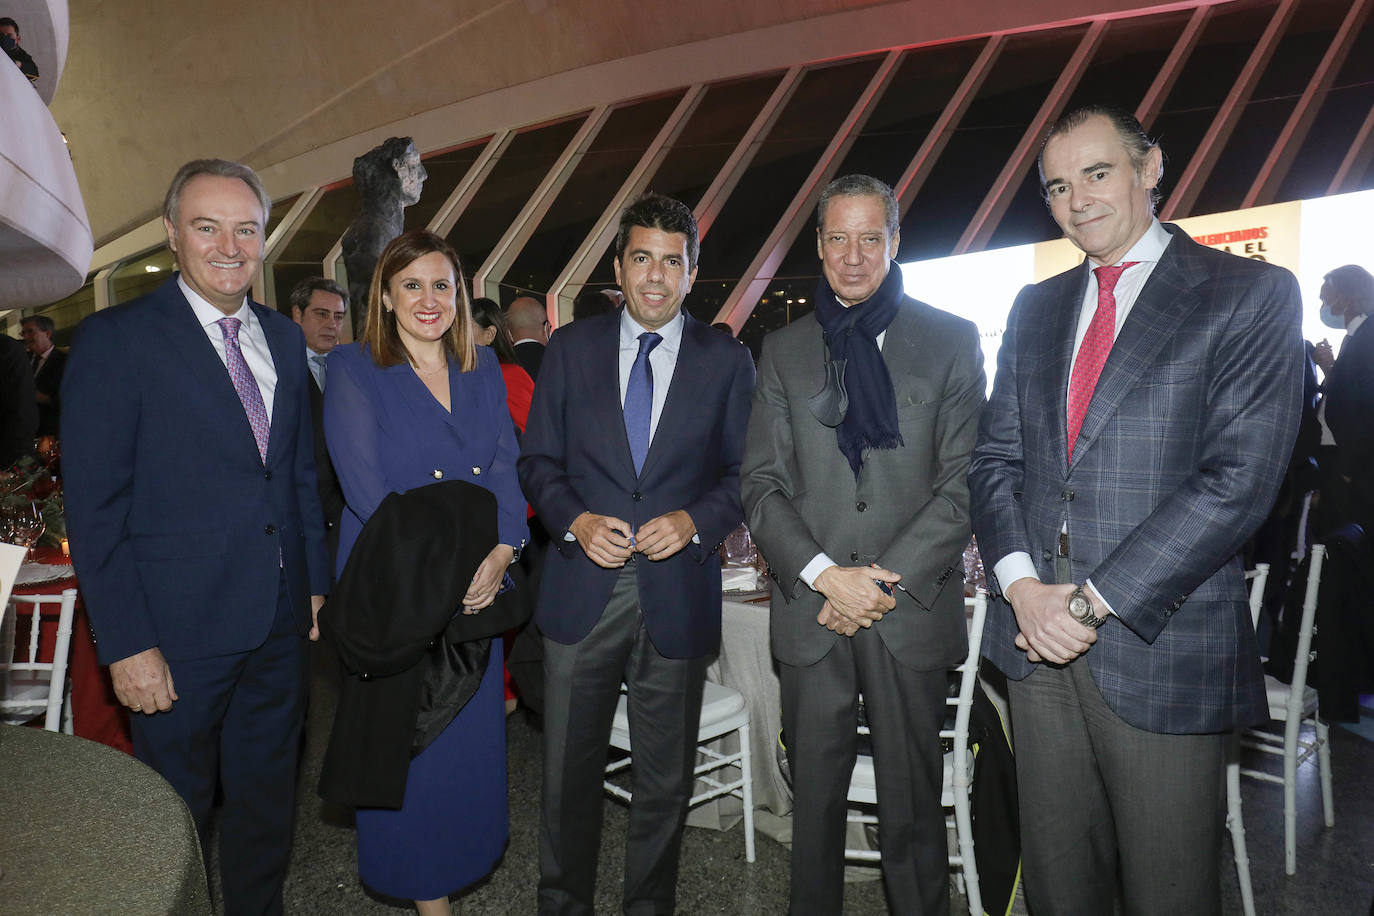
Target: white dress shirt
[(252, 341), (1146, 252), (662, 361), (316, 370)]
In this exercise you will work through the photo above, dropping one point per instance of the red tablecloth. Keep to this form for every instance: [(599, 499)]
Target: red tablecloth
[(96, 714)]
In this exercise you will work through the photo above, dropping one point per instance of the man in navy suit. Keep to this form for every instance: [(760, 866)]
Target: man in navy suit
[(1347, 492), (1140, 423), (195, 524), (631, 457)]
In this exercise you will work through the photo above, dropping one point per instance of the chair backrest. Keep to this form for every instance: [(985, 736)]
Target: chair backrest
[(1305, 655), (29, 688), (1257, 576), (977, 606)]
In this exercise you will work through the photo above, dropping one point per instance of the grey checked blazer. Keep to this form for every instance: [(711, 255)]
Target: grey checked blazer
[(1178, 461), (907, 512)]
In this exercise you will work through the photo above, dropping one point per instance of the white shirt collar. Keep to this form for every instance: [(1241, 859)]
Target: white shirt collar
[(670, 332), (207, 314), (1148, 249), (1352, 326)]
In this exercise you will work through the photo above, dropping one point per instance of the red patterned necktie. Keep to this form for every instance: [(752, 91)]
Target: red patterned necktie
[(245, 384), (1092, 353)]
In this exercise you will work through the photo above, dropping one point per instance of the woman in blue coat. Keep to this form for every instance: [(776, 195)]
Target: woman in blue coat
[(416, 402)]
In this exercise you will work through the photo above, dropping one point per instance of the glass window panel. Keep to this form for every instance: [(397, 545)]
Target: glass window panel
[(445, 169), (279, 210), (705, 142), (323, 225), (1209, 74), (1020, 80), (1128, 59), (925, 81), (1339, 117), (1290, 70), (67, 312), (140, 275), (594, 181), (805, 127), (507, 189)]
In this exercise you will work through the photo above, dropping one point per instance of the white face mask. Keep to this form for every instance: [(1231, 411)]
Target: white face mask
[(1331, 319)]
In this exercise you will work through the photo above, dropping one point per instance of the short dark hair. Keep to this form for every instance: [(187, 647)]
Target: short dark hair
[(589, 301), (379, 330), (302, 291), (219, 168), (1352, 281), (7, 21), (860, 186), (655, 211), (1138, 144), (45, 324)]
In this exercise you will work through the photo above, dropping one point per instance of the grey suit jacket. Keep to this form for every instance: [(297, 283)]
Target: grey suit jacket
[(908, 510), (1181, 453)]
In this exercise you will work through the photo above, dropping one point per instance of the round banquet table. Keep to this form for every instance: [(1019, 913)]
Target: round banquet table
[(90, 830)]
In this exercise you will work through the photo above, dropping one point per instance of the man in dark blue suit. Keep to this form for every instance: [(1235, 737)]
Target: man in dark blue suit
[(195, 524), (1140, 424), (631, 457)]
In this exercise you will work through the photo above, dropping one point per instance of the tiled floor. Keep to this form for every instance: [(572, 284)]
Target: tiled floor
[(1335, 865)]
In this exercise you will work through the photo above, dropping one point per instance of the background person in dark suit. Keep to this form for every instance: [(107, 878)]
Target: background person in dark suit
[(18, 409), (631, 459), (1347, 411), (528, 323), (319, 305), (839, 499), (48, 364), (1144, 408), (195, 523)]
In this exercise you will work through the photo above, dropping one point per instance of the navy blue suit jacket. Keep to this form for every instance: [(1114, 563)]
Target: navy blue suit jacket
[(178, 531), (1184, 445), (575, 457)]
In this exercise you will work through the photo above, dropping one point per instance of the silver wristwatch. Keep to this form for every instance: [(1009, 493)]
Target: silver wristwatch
[(1081, 609)]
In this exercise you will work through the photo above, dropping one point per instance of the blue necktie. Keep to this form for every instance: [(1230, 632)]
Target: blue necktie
[(639, 399)]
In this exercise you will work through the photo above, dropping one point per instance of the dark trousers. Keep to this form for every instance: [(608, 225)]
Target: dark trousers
[(905, 710), (1098, 795), (583, 688), (237, 722)]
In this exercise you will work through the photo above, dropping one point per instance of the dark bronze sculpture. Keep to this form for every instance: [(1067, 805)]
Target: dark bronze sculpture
[(388, 178)]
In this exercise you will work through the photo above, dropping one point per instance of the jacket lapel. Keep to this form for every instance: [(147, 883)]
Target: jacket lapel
[(602, 368), (284, 398), (1163, 304), (1060, 304), (188, 341)]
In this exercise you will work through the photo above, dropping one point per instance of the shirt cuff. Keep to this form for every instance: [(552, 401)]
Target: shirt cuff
[(1014, 566), (819, 564), (1105, 606)]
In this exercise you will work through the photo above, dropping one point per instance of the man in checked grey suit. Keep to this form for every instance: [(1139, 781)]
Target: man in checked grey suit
[(1144, 407), (854, 475)]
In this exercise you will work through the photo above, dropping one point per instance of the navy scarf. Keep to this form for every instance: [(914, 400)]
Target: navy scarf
[(858, 398)]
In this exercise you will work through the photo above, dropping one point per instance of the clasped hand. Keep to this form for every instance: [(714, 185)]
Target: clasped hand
[(482, 592), (1048, 633), (852, 600), (607, 541)]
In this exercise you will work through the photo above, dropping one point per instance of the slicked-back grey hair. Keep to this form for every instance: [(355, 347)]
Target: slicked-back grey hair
[(859, 186), (1138, 144), (219, 168)]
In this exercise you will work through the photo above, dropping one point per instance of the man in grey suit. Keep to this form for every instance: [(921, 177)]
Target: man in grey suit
[(854, 480), (1143, 412)]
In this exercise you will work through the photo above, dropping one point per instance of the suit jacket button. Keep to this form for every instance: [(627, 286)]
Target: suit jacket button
[(854, 556), (438, 474), (268, 475), (1046, 556), (477, 471), (270, 529), (637, 496), (861, 506)]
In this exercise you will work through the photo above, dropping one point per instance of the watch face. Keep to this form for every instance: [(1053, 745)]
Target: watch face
[(1080, 608)]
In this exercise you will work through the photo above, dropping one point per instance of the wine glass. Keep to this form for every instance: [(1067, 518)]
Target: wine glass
[(29, 526)]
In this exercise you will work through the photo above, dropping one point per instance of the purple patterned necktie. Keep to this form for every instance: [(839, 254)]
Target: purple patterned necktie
[(245, 384)]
